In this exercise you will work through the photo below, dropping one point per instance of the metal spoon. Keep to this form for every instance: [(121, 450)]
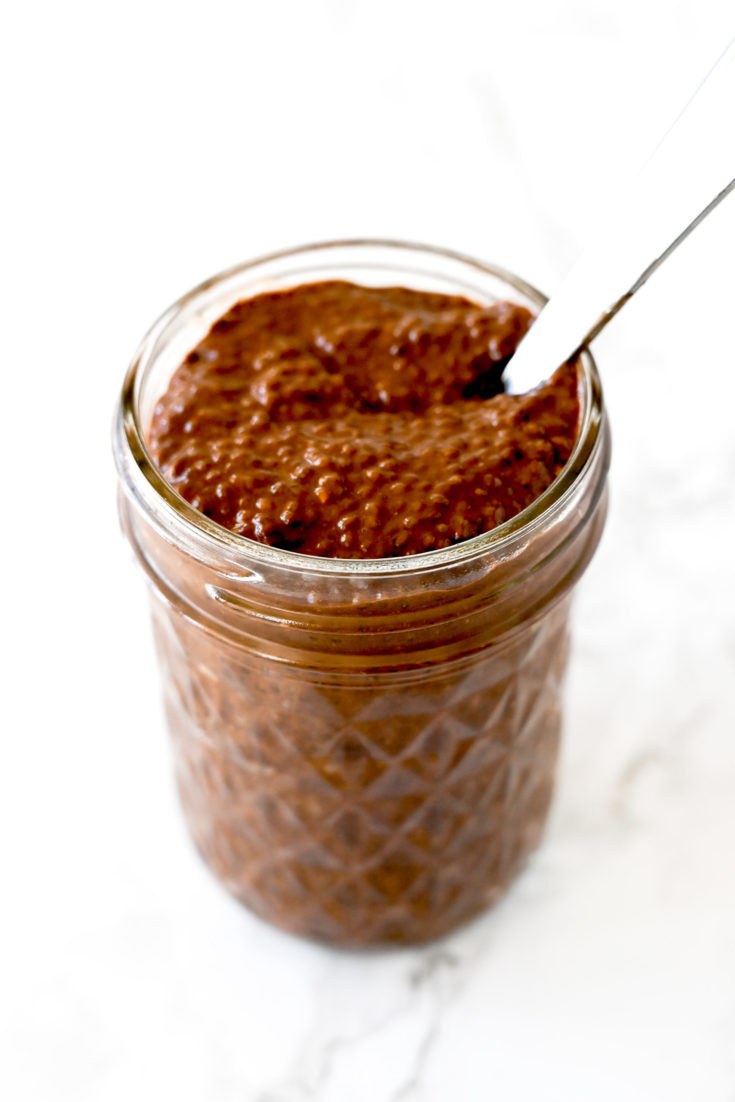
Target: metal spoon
[(688, 174)]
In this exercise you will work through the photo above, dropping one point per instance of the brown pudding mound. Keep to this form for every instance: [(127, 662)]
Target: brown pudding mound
[(356, 422)]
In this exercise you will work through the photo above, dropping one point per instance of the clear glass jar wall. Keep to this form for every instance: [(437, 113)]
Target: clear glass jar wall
[(365, 750)]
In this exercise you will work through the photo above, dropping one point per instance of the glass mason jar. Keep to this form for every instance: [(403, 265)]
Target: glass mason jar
[(364, 749)]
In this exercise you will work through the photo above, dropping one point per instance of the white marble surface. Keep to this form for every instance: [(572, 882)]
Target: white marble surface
[(150, 145)]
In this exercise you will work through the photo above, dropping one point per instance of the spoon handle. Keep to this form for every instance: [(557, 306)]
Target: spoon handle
[(688, 174)]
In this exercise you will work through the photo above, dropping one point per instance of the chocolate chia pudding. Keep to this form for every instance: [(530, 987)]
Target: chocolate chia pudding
[(362, 552)]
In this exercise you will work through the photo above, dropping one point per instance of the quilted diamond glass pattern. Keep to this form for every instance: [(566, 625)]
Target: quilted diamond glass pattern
[(371, 810)]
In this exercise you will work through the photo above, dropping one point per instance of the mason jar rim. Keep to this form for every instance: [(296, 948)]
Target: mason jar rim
[(143, 480)]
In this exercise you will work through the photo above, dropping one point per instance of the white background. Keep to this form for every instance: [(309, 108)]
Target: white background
[(148, 145)]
